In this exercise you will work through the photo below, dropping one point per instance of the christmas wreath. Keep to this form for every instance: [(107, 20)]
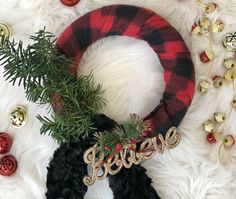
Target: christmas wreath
[(47, 70)]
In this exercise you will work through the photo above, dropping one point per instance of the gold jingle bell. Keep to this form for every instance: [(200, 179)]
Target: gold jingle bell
[(228, 141), (205, 24), (229, 63), (229, 75), (208, 126), (196, 30), (210, 7), (203, 86), (18, 117), (5, 31), (234, 102), (218, 26), (217, 135), (218, 81), (219, 117)]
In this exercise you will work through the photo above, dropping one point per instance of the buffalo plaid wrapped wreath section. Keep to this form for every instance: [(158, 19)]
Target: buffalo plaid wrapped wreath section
[(146, 25)]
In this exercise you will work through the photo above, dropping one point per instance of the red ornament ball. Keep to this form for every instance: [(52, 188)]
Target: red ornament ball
[(211, 138), (206, 56), (118, 148), (8, 165), (5, 143), (70, 2), (107, 148)]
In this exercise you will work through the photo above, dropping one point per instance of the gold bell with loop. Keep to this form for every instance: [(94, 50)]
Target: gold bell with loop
[(217, 26), (210, 7), (229, 75), (18, 117), (230, 63), (228, 141), (208, 126), (218, 81), (219, 117), (224, 152), (205, 25), (203, 86)]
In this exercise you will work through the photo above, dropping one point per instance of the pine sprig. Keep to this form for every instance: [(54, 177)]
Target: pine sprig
[(64, 129), (36, 66), (44, 73), (131, 130)]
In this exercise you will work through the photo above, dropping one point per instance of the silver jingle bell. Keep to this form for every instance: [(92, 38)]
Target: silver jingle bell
[(229, 41)]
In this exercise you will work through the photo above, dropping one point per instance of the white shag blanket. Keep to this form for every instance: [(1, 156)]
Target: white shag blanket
[(131, 74)]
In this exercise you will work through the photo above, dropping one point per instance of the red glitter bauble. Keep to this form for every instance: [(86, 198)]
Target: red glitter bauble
[(8, 165), (5, 143), (211, 138)]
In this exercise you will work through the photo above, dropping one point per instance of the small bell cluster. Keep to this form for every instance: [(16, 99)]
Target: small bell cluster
[(218, 81), (209, 126), (8, 163), (213, 136), (206, 27)]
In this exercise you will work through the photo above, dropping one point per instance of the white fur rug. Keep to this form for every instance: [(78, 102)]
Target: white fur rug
[(132, 76)]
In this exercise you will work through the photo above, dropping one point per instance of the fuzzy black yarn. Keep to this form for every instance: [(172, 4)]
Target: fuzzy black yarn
[(67, 169), (132, 183)]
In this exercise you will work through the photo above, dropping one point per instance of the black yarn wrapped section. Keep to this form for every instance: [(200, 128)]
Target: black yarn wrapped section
[(67, 169), (132, 183)]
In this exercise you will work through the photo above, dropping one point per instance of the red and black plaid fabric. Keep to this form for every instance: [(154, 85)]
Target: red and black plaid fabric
[(146, 25)]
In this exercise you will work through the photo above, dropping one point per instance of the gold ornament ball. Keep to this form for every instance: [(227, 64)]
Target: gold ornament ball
[(18, 117)]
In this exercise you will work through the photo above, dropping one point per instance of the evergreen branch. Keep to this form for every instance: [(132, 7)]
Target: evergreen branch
[(131, 130), (64, 129), (35, 67), (44, 73)]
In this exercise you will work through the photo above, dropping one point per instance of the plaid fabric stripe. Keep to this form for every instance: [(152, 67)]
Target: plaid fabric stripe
[(142, 24)]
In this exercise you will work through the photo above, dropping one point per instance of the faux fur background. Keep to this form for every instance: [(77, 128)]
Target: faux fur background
[(132, 76)]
